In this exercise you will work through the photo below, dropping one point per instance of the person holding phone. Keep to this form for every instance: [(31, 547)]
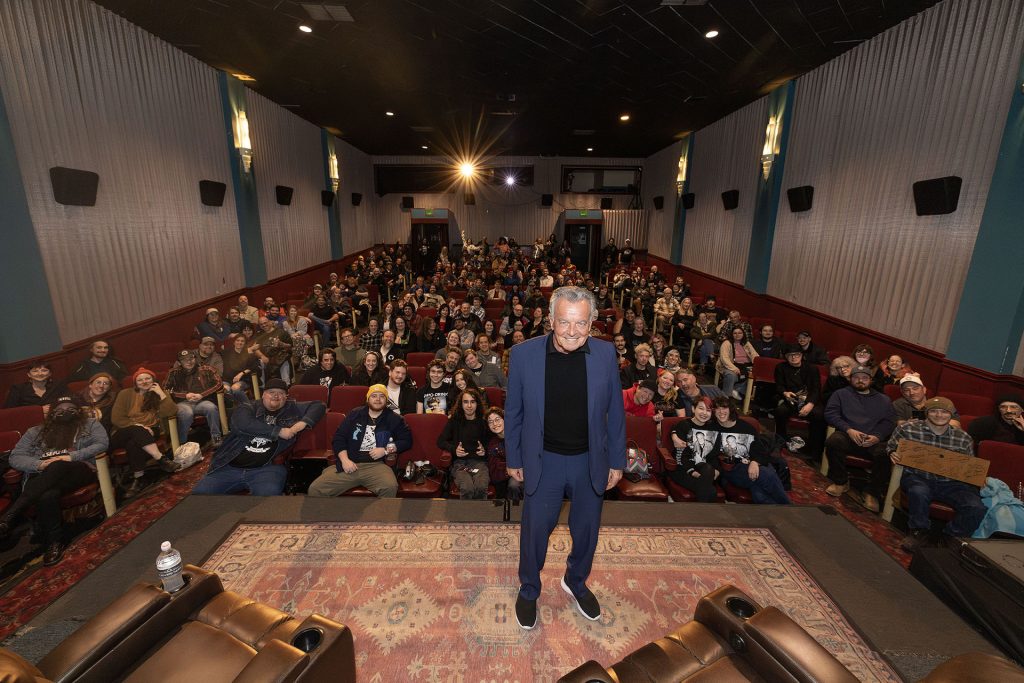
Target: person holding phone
[(465, 437)]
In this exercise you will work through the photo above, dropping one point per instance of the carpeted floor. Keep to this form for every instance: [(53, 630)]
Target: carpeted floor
[(436, 601)]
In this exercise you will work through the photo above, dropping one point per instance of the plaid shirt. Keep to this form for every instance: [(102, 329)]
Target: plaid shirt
[(953, 439), (371, 342)]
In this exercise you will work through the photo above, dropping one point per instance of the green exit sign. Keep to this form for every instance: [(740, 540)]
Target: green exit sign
[(583, 212), (430, 212)]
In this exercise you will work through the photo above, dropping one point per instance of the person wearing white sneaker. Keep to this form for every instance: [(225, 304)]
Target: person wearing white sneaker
[(565, 436)]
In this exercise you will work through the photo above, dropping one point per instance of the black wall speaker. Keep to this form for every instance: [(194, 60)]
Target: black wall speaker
[(326, 197), (730, 199), (357, 198), (407, 202), (659, 203), (688, 199), (469, 198), (74, 187), (606, 203), (937, 196), (284, 194), (547, 199), (211, 193), (800, 198)]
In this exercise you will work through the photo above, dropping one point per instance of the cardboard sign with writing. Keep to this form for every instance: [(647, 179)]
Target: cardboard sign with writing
[(943, 462)]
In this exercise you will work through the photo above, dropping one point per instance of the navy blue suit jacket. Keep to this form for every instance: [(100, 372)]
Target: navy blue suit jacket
[(524, 411)]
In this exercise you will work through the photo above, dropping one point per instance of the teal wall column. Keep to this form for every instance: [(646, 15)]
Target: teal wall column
[(680, 218), (247, 207), (21, 263), (766, 206), (990, 319), (334, 210)]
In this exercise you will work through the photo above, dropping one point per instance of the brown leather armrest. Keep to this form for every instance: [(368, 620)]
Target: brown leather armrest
[(975, 667), (334, 659), (275, 663), (794, 648), (100, 634), (587, 672), (668, 461)]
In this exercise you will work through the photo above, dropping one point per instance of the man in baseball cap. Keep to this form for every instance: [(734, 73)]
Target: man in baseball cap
[(366, 444), (253, 454), (936, 429)]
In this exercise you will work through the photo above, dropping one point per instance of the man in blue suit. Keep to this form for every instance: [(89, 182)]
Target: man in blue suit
[(565, 435)]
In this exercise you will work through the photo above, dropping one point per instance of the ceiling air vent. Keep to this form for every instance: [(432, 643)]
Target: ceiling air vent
[(322, 12)]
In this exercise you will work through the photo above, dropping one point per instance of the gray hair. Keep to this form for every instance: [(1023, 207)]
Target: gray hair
[(573, 295)]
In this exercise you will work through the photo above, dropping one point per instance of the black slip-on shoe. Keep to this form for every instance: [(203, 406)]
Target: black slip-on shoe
[(526, 612), (586, 602)]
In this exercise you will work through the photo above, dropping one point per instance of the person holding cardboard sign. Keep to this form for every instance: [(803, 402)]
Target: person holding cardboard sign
[(923, 487)]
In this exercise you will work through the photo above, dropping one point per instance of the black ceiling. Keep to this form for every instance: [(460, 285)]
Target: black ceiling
[(516, 76)]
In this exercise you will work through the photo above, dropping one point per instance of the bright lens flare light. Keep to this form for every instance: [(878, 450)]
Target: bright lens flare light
[(467, 170), (305, 29), (711, 34), (510, 180)]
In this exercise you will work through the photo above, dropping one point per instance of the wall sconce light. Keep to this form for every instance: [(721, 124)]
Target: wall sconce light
[(771, 139), (242, 141), (332, 170), (681, 173)]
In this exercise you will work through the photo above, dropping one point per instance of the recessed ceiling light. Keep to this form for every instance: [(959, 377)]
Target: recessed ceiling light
[(590, 149), (624, 117), (389, 113), (305, 29), (243, 77), (711, 34), (423, 147)]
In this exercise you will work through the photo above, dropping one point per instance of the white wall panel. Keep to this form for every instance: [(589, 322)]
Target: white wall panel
[(87, 90), (928, 98), (726, 156), (288, 151), (660, 171), (357, 222)]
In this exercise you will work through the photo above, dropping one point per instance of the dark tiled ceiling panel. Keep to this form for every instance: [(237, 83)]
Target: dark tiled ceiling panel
[(523, 74)]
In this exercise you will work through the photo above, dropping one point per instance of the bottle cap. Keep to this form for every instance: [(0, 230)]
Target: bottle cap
[(165, 546)]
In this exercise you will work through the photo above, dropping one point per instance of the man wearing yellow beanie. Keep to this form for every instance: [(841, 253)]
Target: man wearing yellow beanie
[(366, 436)]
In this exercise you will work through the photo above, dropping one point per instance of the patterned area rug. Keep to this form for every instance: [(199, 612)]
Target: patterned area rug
[(435, 602)]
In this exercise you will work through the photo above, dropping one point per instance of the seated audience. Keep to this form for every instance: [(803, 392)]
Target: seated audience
[(429, 337), (486, 374), (388, 351), (838, 377), (798, 394), (349, 353), (273, 347), (461, 380), (298, 329), (247, 312), (735, 359), (767, 344), (690, 391), (465, 436), (863, 419), (137, 418), (813, 354), (1006, 424), (682, 321), (206, 355), (401, 390), (433, 397), (912, 404), (370, 340), (725, 327), (192, 386), (40, 389), (622, 350), (703, 332), (485, 353), (371, 371), (638, 400), (325, 316), (364, 439), (895, 369), (497, 464), (99, 360), (234, 321), (327, 373), (212, 326), (637, 334), (517, 338), (641, 369), (714, 312), (56, 458), (739, 461), (864, 355), (240, 366), (405, 341), (923, 487), (665, 309), (693, 443), (673, 360), (666, 398), (252, 457), (98, 398)]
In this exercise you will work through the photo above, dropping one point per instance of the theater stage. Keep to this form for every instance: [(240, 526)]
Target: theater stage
[(897, 616)]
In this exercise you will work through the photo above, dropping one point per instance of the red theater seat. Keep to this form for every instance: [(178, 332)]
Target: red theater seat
[(425, 430), (165, 351), (20, 419), (418, 374), (968, 403), (308, 392), (642, 430), (1007, 463), (345, 399), (495, 397), (419, 358)]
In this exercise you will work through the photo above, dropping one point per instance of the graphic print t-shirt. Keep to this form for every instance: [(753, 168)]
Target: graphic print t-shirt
[(434, 400), (701, 442), (735, 443), (259, 449)]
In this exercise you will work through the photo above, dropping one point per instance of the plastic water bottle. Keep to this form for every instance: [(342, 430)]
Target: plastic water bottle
[(168, 566)]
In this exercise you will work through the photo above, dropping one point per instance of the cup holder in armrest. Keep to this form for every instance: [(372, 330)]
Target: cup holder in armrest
[(308, 639), (740, 607)]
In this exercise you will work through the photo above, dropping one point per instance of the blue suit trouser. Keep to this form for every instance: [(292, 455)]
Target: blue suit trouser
[(561, 476)]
